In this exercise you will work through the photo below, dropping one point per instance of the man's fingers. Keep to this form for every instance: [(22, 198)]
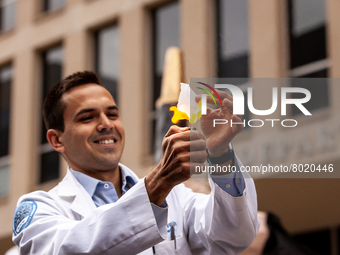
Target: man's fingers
[(183, 134), (194, 148), (237, 119), (228, 104), (198, 156), (223, 95), (175, 129), (209, 100), (172, 130), (193, 156), (198, 145)]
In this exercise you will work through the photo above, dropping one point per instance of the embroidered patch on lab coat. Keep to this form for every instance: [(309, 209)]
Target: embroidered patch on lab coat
[(23, 215)]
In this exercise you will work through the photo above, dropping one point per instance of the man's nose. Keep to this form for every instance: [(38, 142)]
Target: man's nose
[(104, 123)]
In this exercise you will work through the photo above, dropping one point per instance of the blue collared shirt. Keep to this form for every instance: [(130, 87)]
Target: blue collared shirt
[(103, 192), (232, 183)]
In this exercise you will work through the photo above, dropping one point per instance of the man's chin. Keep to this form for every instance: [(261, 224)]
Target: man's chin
[(108, 164)]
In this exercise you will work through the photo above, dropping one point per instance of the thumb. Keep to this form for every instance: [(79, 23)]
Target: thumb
[(175, 129)]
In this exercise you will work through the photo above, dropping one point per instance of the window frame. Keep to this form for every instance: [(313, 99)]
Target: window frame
[(308, 69), (219, 43), (44, 147), (96, 56), (47, 9), (2, 7), (5, 160), (156, 81)]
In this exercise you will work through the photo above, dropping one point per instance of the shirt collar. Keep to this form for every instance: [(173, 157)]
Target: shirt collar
[(127, 179), (90, 184)]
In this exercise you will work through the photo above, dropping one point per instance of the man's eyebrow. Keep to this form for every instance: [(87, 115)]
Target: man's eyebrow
[(113, 107), (84, 111)]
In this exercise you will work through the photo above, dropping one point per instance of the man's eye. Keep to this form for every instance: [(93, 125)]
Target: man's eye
[(112, 115), (86, 118)]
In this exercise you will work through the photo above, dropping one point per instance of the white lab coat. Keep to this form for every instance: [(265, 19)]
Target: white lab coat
[(68, 222)]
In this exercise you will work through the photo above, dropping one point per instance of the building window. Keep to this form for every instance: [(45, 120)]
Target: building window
[(233, 44), (232, 38), (166, 33), (52, 5), (7, 14), (107, 57), (6, 74), (52, 73), (307, 32), (308, 58)]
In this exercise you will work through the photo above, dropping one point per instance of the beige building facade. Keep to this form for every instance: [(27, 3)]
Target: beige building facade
[(304, 205)]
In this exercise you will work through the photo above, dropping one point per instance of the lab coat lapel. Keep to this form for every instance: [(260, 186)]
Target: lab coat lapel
[(71, 189)]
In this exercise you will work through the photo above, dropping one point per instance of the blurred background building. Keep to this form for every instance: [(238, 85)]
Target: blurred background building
[(124, 41)]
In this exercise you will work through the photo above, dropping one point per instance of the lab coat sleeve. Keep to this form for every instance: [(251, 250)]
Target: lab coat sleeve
[(125, 227), (220, 223)]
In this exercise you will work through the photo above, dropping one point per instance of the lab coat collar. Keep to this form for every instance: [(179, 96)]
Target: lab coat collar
[(70, 188), (82, 204)]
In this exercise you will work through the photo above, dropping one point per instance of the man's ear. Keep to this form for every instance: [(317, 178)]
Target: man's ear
[(54, 137)]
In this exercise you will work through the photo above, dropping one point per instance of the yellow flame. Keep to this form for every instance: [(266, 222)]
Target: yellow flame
[(179, 115)]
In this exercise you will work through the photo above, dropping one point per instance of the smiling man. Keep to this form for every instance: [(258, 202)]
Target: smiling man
[(92, 140), (102, 207)]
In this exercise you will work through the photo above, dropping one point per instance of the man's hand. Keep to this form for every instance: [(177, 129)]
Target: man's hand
[(182, 150), (220, 136)]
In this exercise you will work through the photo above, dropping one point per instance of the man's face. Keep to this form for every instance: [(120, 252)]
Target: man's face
[(93, 137)]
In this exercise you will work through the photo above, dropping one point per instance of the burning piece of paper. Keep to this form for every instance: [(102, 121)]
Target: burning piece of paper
[(186, 101)]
